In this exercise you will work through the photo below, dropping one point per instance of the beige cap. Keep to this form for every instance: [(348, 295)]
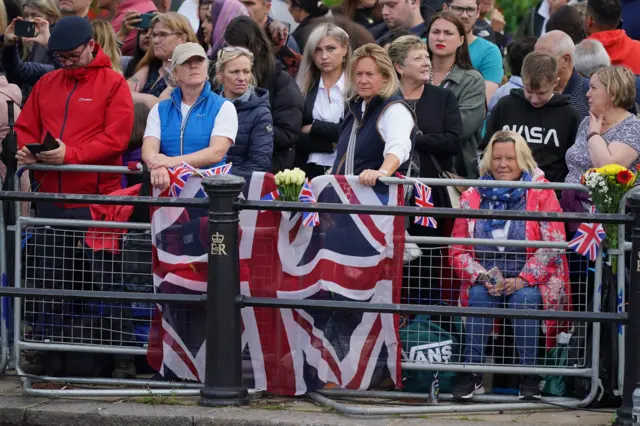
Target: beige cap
[(183, 52)]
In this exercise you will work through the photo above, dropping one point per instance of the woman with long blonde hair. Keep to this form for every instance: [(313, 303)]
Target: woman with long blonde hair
[(104, 35), (322, 81), (168, 30)]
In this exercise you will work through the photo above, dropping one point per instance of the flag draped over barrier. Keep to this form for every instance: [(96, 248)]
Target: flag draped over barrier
[(292, 351)]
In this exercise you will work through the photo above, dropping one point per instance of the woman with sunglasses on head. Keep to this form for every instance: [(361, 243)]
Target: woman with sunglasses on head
[(284, 95), (323, 84), (196, 126), (253, 148), (376, 137), (451, 68), (152, 76)]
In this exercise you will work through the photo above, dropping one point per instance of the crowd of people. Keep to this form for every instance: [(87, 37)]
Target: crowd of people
[(369, 88)]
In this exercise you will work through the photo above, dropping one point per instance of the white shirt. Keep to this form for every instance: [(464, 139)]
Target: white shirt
[(329, 107), (545, 12), (225, 124), (189, 9), (395, 125)]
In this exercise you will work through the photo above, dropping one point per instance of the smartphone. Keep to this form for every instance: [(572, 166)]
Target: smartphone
[(49, 144), (25, 29), (145, 21)]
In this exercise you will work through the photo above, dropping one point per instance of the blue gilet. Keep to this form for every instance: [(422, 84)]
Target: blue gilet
[(195, 135)]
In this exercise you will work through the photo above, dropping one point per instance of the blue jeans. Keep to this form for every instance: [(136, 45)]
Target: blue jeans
[(525, 330)]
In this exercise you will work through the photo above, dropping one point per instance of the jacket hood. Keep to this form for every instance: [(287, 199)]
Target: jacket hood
[(11, 91), (617, 44), (538, 176), (259, 97), (557, 100), (100, 60)]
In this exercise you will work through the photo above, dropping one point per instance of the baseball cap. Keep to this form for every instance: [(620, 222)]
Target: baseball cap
[(183, 52), (69, 33)]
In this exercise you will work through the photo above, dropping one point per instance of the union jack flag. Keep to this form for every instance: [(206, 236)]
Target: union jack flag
[(306, 196), (225, 169), (178, 178), (587, 239), (353, 257), (424, 199)]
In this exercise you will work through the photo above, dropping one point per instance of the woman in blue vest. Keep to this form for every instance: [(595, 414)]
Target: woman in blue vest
[(194, 126), (376, 137)]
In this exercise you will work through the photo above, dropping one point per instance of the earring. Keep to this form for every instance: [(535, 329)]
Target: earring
[(344, 59)]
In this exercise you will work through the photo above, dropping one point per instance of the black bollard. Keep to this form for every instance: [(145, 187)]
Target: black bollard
[(632, 343), (223, 369)]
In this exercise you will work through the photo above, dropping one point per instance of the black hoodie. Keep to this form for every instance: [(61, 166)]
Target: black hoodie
[(549, 130)]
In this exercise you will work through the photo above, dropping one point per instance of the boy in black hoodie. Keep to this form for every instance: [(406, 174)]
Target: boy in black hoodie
[(547, 121)]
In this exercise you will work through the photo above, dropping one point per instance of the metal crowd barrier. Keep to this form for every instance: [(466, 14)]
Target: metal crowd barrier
[(222, 204)]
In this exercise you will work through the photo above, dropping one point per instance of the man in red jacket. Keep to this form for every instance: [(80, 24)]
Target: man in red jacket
[(601, 23), (87, 108)]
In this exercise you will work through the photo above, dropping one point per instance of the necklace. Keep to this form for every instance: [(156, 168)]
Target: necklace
[(445, 76)]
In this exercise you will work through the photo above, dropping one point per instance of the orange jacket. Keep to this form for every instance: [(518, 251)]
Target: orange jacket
[(621, 49)]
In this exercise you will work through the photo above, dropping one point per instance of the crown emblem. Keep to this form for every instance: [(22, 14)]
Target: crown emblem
[(217, 238)]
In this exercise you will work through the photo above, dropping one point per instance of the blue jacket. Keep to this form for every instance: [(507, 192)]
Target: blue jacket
[(19, 72), (254, 143), (631, 18), (196, 134)]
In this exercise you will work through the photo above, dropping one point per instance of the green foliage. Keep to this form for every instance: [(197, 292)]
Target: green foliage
[(514, 11)]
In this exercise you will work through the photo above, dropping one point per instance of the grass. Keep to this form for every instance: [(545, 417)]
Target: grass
[(152, 399)]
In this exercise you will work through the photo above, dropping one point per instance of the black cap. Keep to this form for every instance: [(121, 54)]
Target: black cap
[(69, 33)]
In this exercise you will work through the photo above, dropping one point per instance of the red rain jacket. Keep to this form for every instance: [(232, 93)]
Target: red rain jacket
[(621, 49), (90, 109)]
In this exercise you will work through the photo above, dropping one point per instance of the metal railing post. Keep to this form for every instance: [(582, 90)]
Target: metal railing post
[(632, 343), (223, 368)]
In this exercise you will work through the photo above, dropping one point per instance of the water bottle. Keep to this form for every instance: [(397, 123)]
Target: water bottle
[(434, 393), (636, 405)]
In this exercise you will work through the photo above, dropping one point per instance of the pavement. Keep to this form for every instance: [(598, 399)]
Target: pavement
[(16, 409)]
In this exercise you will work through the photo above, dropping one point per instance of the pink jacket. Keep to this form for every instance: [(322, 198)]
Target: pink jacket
[(140, 6), (546, 268)]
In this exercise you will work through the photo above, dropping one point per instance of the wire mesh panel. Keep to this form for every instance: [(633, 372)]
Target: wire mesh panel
[(72, 259), (434, 278)]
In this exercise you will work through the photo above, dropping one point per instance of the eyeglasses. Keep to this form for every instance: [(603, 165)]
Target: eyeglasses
[(73, 57), (162, 35), (471, 11)]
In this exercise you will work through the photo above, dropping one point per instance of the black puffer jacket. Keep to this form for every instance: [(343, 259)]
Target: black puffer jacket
[(286, 108)]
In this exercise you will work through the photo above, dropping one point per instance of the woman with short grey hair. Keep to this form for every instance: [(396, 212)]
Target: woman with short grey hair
[(590, 56)]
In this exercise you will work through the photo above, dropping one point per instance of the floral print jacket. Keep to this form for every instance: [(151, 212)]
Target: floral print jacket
[(546, 268)]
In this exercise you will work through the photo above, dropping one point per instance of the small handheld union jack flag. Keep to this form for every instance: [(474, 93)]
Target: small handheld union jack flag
[(225, 169), (306, 196), (424, 199), (178, 178), (587, 239), (274, 195)]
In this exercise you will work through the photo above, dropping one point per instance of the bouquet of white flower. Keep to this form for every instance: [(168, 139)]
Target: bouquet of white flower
[(289, 183)]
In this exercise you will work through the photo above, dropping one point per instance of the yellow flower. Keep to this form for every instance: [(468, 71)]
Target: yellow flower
[(611, 169)]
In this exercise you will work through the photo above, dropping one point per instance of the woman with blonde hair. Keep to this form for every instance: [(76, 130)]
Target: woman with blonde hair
[(152, 76), (377, 135), (519, 277), (323, 84), (253, 146), (104, 35)]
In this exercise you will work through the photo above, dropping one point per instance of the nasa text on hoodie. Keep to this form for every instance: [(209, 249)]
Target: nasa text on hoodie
[(549, 130)]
